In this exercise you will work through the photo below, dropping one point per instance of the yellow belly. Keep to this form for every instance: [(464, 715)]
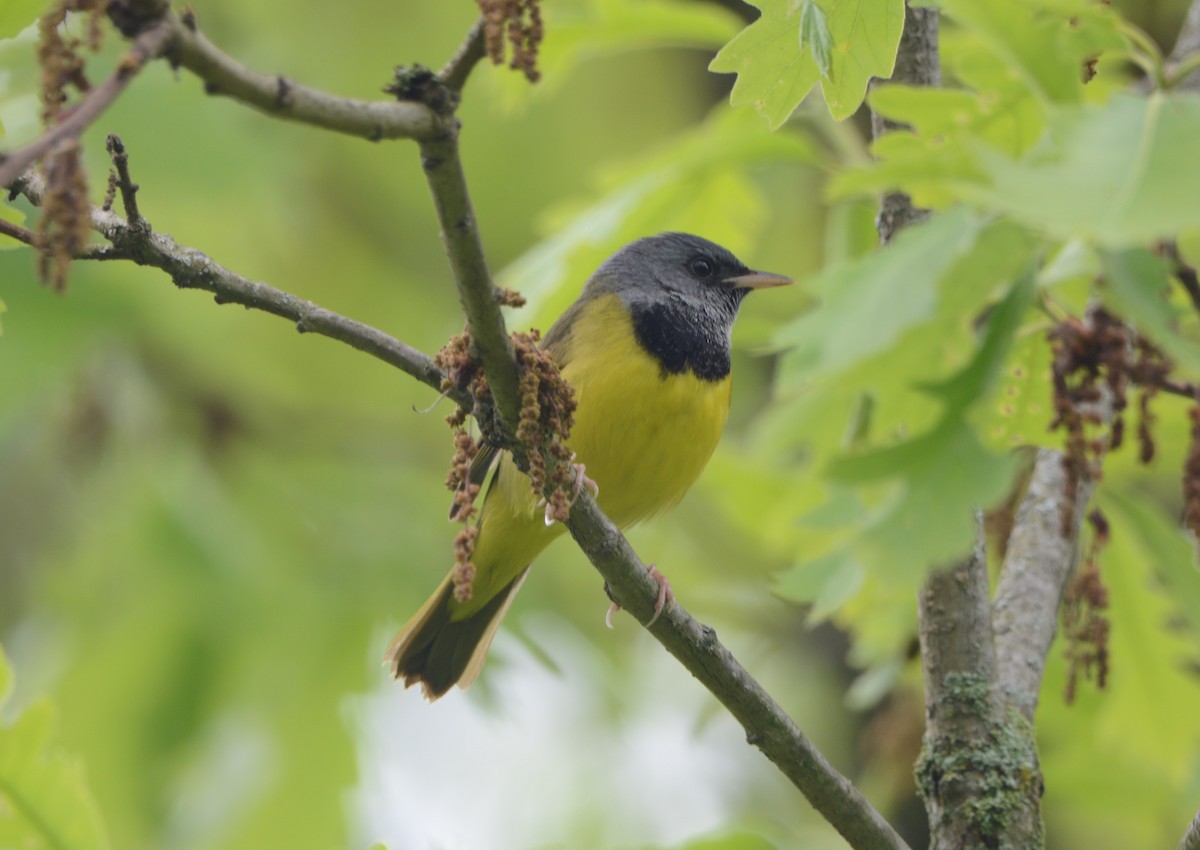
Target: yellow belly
[(644, 438)]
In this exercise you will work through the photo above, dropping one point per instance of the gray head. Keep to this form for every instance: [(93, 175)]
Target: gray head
[(683, 293), (680, 269)]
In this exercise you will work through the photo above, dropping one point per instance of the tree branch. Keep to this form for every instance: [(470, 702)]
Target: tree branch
[(1036, 566), (454, 75), (278, 96), (978, 771), (146, 46), (191, 269), (696, 647), (21, 234), (464, 249)]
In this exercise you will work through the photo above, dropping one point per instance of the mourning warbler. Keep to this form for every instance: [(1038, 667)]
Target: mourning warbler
[(646, 349)]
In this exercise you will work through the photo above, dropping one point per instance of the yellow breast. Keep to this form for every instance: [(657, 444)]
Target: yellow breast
[(644, 436)]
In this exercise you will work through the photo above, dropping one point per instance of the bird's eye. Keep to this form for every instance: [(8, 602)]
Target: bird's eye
[(701, 266)]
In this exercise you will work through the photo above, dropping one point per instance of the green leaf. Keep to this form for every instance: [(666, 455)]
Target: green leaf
[(1019, 414), (826, 583), (44, 798), (1148, 658), (869, 303), (1113, 173), (1138, 289), (1169, 551), (873, 684), (1044, 43), (939, 479), (774, 74), (814, 35), (965, 387), (16, 15)]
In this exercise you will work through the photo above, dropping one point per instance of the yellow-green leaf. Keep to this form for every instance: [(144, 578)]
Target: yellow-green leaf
[(44, 798), (774, 74)]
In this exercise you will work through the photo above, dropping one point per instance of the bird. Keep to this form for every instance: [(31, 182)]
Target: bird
[(646, 349)]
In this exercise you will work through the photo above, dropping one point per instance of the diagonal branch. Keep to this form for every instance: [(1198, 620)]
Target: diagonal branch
[(276, 95), (178, 39), (696, 647), (454, 75), (191, 269)]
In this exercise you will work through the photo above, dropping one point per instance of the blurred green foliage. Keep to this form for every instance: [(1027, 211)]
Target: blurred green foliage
[(209, 523)]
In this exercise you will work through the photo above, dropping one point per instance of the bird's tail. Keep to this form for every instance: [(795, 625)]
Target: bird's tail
[(437, 651)]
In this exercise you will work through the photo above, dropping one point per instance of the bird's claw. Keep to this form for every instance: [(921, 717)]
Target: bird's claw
[(665, 595)]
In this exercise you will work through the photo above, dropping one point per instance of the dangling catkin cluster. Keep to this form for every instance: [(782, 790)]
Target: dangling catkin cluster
[(461, 370), (519, 22), (58, 54), (547, 415), (1096, 360), (66, 214), (1085, 625)]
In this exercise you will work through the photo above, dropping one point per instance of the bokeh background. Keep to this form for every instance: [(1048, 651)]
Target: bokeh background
[(210, 524)]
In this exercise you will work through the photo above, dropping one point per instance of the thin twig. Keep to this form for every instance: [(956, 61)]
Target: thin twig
[(454, 75), (148, 44), (278, 96), (1183, 390), (191, 269), (21, 234), (128, 189)]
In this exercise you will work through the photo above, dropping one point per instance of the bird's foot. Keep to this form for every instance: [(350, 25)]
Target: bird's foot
[(582, 482), (665, 595)]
